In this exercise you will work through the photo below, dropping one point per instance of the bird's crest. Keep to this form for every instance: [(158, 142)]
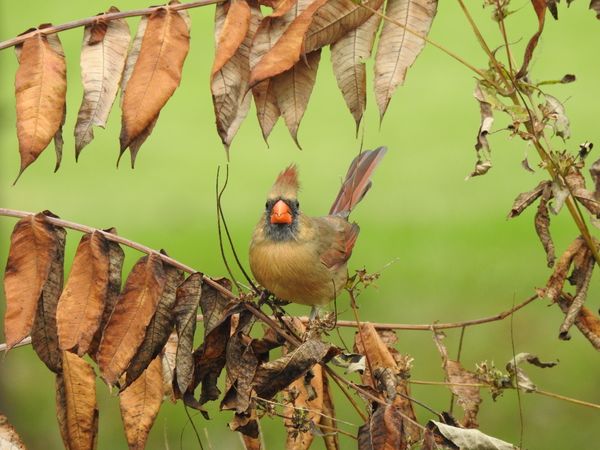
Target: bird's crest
[(286, 185)]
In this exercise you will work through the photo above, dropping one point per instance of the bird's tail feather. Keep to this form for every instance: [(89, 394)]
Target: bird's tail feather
[(357, 182)]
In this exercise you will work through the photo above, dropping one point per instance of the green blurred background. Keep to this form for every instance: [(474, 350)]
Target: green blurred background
[(454, 254)]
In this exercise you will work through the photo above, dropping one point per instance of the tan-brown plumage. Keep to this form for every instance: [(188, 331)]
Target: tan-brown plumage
[(304, 259)]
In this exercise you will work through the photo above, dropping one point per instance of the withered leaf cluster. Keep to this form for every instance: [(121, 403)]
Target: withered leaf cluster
[(392, 421), (275, 56), (141, 337), (125, 331)]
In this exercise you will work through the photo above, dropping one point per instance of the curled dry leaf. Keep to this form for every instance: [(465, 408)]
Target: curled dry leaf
[(241, 363), (40, 90), (554, 112), (466, 438), (44, 335), (595, 6), (386, 372), (140, 403), (328, 422), (273, 376), (184, 313), (525, 199), (586, 321), (584, 263), (133, 312), (522, 381), (211, 354), (481, 168), (398, 49), (168, 359), (468, 396), (542, 224), (24, 276), (103, 55), (236, 23), (487, 120), (539, 7), (82, 302), (348, 55), (383, 430), (293, 88), (116, 256), (9, 438), (77, 411), (576, 185), (288, 49), (559, 276), (304, 404), (159, 328), (156, 74)]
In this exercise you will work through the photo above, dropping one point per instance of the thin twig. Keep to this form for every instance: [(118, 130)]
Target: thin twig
[(458, 355), (483, 385), (218, 194), (107, 16), (514, 361)]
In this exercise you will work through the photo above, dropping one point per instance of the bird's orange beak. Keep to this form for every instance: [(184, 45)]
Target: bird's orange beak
[(281, 213)]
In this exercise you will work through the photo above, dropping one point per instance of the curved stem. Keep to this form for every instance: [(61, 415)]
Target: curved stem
[(107, 16)]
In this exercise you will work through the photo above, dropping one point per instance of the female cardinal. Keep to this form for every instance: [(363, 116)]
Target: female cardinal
[(304, 259)]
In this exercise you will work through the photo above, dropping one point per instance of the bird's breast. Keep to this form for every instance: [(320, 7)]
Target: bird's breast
[(293, 271)]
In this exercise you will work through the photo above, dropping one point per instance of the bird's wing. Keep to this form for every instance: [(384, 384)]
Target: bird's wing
[(336, 238)]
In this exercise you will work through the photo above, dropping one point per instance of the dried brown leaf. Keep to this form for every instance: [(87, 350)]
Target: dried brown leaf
[(481, 168), (236, 23), (334, 20), (273, 376), (525, 199), (133, 312), (467, 438), (140, 403), (80, 413), (44, 336), (523, 381), (559, 276), (487, 120), (25, 276), (103, 55), (168, 358), (40, 90), (116, 257), (184, 313), (586, 321), (398, 49), (383, 431), (539, 6), (576, 185), (157, 71), (584, 264), (328, 422), (288, 49), (554, 112), (303, 404), (159, 328), (82, 302), (9, 438), (211, 354), (293, 88), (542, 224), (595, 6), (468, 397), (241, 364), (348, 55)]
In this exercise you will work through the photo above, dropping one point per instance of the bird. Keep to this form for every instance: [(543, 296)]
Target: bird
[(303, 259)]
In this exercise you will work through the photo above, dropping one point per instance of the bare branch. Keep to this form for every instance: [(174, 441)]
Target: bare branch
[(107, 16)]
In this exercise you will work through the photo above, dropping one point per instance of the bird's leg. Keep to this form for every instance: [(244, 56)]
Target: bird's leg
[(264, 297), (314, 313)]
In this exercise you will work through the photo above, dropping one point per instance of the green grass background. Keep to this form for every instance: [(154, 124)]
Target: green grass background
[(455, 255)]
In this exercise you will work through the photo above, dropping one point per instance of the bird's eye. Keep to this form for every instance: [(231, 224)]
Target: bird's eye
[(267, 205), (297, 204)]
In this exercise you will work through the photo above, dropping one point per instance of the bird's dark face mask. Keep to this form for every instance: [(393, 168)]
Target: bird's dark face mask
[(281, 219)]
